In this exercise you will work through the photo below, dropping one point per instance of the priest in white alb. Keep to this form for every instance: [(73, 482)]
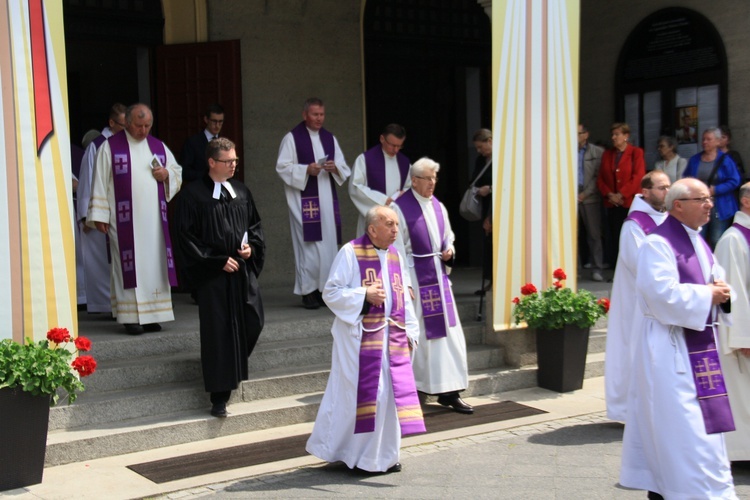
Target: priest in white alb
[(440, 365), (311, 164), (380, 174), (733, 253), (136, 175), (370, 400), (646, 212), (678, 407)]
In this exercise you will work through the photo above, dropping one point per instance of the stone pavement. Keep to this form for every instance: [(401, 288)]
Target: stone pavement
[(576, 457)]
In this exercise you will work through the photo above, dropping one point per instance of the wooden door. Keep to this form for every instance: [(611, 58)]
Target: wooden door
[(189, 77)]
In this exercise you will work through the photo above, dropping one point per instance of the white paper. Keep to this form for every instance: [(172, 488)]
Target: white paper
[(244, 240), (322, 161), (155, 163)]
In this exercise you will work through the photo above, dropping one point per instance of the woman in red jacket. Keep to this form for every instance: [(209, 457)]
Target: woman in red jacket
[(619, 181)]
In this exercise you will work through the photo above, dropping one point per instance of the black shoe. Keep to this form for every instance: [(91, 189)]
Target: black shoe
[(319, 298), (486, 288), (394, 468), (219, 410), (133, 329), (152, 327), (455, 402), (310, 301)]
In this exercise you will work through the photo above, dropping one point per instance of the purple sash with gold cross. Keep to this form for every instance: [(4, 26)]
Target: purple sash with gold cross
[(122, 177), (371, 349), (701, 345), (312, 230), (436, 300), (375, 162)]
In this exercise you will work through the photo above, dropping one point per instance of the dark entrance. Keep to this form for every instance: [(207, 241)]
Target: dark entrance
[(108, 48), (427, 67), (672, 80)]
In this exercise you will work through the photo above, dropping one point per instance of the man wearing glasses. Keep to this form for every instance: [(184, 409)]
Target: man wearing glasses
[(94, 244), (136, 175), (222, 252), (193, 157), (426, 242), (380, 174), (646, 212), (678, 408)]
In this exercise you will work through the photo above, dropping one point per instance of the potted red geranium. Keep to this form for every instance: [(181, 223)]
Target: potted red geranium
[(32, 377), (561, 319)]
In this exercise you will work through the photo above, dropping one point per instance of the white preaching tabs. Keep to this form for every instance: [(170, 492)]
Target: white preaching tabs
[(217, 190)]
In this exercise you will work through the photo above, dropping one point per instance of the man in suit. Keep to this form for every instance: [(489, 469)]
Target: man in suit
[(589, 199), (193, 157)]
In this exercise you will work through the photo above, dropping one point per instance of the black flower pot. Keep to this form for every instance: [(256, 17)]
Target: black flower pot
[(561, 358), (23, 441)]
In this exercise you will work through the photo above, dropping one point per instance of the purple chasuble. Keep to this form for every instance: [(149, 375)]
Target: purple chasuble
[(701, 345), (435, 302), (745, 231), (375, 168), (644, 220), (371, 350), (312, 229), (122, 178)]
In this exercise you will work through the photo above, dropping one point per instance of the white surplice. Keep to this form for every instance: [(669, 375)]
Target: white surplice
[(151, 300), (364, 197), (665, 446), (93, 243), (733, 254), (333, 437), (624, 314), (312, 258), (440, 365)]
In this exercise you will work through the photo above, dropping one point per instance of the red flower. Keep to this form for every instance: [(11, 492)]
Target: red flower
[(559, 274), (516, 300), (558, 284), (83, 344), (528, 289), (604, 303), (58, 335), (84, 365)]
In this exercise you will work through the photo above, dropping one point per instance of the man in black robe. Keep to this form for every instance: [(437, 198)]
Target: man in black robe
[(222, 250)]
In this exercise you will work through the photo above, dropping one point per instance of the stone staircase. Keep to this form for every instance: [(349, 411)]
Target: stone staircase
[(147, 391)]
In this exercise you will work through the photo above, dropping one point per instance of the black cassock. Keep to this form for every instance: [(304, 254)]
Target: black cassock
[(209, 231)]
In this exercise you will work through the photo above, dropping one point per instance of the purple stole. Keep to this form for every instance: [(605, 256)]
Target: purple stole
[(375, 163), (121, 176), (701, 345), (311, 226), (371, 350), (434, 305), (744, 231), (644, 220)]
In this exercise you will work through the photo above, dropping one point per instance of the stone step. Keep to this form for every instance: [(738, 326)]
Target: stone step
[(148, 432), (169, 396)]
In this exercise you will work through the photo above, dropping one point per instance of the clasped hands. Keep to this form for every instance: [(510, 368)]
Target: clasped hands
[(232, 265), (720, 292), (615, 198), (315, 168)]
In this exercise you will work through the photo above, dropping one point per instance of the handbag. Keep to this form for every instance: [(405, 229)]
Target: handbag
[(471, 206)]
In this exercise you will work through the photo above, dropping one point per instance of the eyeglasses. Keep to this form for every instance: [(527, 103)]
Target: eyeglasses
[(119, 124), (216, 122), (234, 161), (428, 179), (394, 146), (704, 201)]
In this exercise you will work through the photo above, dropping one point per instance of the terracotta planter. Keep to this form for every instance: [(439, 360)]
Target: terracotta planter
[(23, 442), (561, 358)]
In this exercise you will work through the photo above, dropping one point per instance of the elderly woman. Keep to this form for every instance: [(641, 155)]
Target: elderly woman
[(671, 163), (483, 187), (619, 181), (719, 172)]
